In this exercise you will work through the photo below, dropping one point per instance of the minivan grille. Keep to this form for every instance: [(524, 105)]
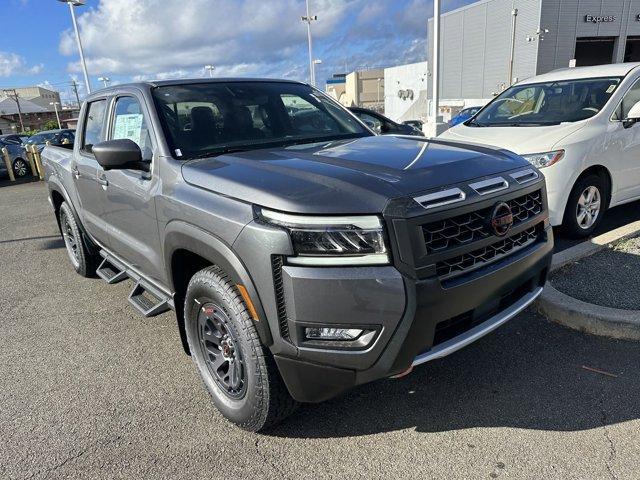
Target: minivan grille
[(442, 235)]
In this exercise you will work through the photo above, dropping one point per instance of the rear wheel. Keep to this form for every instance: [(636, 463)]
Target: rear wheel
[(84, 262), (20, 168), (586, 206), (238, 371)]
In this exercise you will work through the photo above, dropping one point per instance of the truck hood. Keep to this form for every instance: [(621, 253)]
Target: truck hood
[(521, 140), (349, 176)]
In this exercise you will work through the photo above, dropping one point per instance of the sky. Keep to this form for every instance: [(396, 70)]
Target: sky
[(132, 40)]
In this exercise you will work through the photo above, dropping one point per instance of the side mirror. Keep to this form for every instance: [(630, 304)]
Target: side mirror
[(633, 116), (119, 155)]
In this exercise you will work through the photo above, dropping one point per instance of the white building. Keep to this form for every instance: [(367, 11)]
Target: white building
[(405, 96)]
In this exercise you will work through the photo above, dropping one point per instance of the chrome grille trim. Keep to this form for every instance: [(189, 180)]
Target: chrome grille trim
[(492, 185), (525, 176), (440, 199)]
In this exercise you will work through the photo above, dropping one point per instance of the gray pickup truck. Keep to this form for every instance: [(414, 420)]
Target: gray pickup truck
[(302, 253)]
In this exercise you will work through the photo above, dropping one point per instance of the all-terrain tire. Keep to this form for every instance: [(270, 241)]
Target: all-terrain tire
[(84, 261), (261, 400)]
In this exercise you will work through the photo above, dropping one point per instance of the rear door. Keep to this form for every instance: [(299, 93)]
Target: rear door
[(130, 208), (85, 170)]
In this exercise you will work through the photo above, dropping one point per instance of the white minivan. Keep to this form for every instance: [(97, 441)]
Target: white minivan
[(578, 126)]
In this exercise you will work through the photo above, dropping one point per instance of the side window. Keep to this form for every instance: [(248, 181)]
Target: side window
[(630, 99), (93, 125), (129, 122), (370, 120)]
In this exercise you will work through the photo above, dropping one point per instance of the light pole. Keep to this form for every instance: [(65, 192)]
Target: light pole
[(55, 107), (104, 80), (210, 69), (72, 4), (435, 76), (379, 80), (514, 17), (308, 18)]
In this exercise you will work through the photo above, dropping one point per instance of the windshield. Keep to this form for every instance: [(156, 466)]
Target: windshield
[(210, 118), (549, 103)]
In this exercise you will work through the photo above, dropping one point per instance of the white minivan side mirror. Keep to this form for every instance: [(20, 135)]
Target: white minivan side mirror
[(633, 116)]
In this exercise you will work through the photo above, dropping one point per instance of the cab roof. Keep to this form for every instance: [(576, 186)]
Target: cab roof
[(577, 73)]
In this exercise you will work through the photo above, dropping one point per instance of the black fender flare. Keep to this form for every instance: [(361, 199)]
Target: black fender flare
[(180, 235)]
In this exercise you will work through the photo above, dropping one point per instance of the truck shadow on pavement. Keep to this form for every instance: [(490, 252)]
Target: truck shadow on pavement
[(530, 374)]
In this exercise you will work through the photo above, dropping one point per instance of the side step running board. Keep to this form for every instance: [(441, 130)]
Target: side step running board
[(111, 272), (148, 300), (145, 297)]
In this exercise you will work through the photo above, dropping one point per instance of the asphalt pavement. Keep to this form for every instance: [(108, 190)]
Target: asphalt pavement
[(90, 389)]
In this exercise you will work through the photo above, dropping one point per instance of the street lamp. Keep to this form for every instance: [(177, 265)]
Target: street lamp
[(308, 19), (210, 69), (78, 3), (55, 107), (104, 80)]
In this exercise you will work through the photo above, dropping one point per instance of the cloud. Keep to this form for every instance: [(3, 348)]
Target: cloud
[(14, 64)]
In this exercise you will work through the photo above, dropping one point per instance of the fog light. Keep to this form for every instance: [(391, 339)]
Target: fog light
[(332, 333)]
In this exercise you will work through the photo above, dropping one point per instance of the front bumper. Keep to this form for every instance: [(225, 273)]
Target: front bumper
[(417, 320)]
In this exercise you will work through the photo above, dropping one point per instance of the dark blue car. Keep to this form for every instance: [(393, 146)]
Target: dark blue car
[(464, 115)]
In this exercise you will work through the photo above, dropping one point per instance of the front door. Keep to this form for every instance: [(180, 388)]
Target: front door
[(85, 171), (130, 209), (623, 149)]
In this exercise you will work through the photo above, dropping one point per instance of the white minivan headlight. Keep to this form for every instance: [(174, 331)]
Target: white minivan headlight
[(332, 240), (542, 160)]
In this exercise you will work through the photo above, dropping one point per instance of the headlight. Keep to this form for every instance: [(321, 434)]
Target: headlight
[(329, 241), (542, 160)]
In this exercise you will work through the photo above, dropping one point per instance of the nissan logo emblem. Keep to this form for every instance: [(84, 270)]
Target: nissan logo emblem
[(501, 219)]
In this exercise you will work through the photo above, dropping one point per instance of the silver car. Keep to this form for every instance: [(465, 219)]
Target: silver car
[(17, 157)]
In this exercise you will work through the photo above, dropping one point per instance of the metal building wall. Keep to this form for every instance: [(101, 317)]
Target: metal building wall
[(565, 20), (476, 44)]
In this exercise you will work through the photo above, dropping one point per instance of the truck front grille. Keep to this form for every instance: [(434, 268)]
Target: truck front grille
[(442, 235), (478, 258)]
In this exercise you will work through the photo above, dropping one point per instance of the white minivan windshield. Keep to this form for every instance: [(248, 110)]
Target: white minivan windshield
[(549, 103)]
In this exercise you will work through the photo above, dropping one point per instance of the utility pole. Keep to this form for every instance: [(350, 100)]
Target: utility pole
[(514, 18), (55, 107), (16, 98), (74, 84), (308, 18)]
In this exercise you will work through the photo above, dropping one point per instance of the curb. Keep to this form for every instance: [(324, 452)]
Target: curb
[(586, 317), (589, 318)]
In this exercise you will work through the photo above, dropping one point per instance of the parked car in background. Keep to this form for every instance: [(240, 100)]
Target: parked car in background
[(463, 115), (383, 125), (14, 138), (417, 124), (17, 159), (579, 126), (303, 254), (55, 137)]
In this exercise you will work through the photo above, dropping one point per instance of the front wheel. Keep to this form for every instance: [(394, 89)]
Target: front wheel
[(586, 206), (239, 373)]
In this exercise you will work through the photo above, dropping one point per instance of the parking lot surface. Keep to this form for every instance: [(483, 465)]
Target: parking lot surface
[(90, 389)]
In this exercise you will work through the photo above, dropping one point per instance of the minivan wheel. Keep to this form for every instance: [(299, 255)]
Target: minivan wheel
[(237, 370), (84, 262), (20, 168), (586, 206)]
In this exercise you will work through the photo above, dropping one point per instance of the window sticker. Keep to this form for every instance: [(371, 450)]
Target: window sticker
[(611, 88), (129, 126)]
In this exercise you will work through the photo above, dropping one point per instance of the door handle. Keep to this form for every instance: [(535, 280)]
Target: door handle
[(102, 181), (75, 172)]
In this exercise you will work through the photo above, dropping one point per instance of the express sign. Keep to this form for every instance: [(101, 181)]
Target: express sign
[(600, 18)]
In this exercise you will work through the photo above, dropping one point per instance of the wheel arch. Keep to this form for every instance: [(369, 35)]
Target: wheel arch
[(187, 250), (603, 172)]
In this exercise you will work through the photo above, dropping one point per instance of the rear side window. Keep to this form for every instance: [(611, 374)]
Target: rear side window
[(93, 132)]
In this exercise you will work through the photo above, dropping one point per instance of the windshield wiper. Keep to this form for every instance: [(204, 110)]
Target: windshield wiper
[(217, 152), (476, 123)]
